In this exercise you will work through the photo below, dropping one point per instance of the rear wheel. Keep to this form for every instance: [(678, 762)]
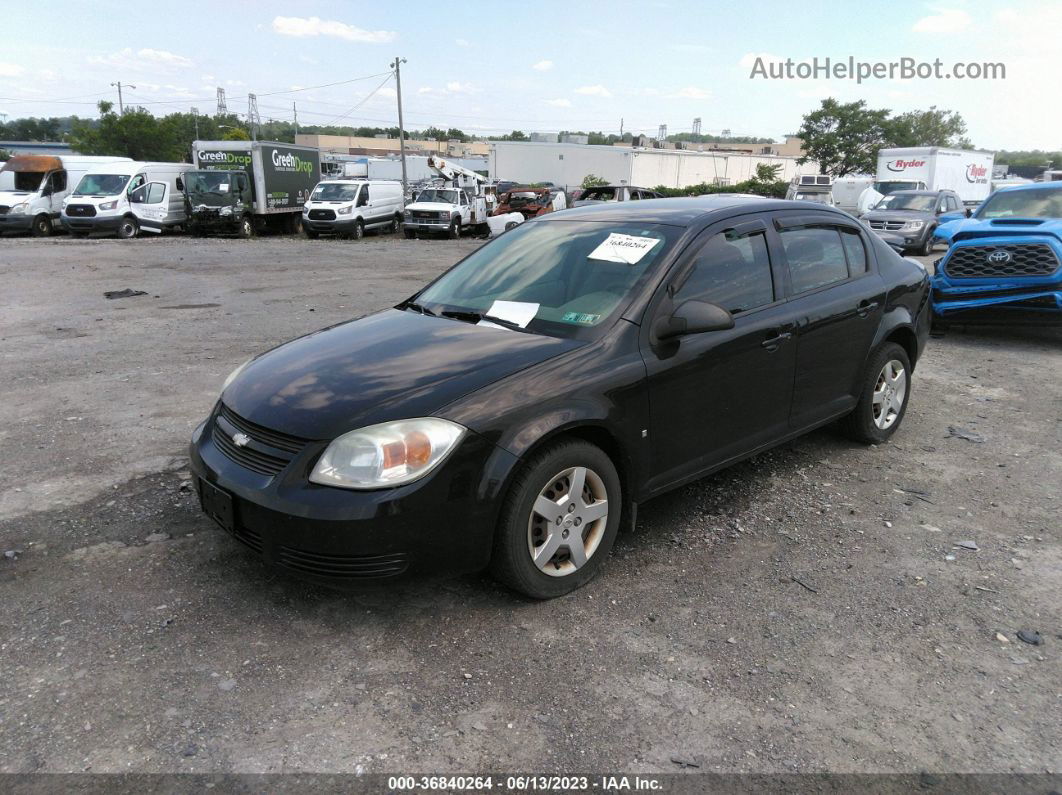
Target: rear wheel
[(886, 390), (128, 228), (42, 226), (559, 520), (392, 227)]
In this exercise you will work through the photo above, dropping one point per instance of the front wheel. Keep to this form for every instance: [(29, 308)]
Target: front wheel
[(42, 226), (411, 234), (359, 230), (246, 228), (559, 520), (885, 392), (927, 247), (128, 229), (454, 231)]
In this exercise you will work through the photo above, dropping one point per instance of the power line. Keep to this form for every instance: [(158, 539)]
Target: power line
[(325, 85)]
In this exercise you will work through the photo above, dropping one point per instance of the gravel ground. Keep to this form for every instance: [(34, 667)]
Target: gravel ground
[(814, 609)]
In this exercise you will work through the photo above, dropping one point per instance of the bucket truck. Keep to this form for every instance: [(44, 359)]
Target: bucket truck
[(461, 202)]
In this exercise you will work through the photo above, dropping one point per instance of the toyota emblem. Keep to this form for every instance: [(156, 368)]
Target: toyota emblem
[(999, 257), (241, 439)]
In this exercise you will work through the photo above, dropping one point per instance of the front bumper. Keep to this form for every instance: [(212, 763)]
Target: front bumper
[(345, 538), (427, 224), (329, 227), (94, 223), (16, 223)]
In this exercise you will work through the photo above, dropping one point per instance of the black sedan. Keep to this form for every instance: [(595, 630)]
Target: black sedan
[(515, 411)]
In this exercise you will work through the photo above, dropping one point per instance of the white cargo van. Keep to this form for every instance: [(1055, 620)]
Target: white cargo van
[(350, 206), (125, 198), (32, 189)]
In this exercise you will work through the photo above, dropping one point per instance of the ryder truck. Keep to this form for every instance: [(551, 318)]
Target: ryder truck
[(244, 187), (968, 173)]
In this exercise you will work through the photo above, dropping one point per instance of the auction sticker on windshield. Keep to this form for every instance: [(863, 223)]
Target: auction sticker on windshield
[(623, 248)]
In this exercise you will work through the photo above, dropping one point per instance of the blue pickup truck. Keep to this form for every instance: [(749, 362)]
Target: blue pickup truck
[(1004, 263)]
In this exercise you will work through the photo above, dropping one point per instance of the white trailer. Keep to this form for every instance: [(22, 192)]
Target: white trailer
[(968, 173)]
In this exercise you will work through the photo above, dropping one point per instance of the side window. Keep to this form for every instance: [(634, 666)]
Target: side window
[(155, 192), (135, 183), (731, 270), (363, 197), (855, 251), (139, 195), (58, 181), (815, 256), (953, 204), (635, 195)]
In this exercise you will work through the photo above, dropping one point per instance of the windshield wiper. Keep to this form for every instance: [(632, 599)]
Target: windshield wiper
[(416, 308), (475, 317)]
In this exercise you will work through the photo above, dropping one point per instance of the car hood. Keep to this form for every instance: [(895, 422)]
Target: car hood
[(898, 215), (14, 196), (392, 365), (966, 228), (430, 206)]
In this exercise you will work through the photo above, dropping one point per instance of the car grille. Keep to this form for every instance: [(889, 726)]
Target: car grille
[(1026, 259), (80, 210), (886, 226), (322, 215), (424, 215), (267, 452), (249, 537), (342, 566)]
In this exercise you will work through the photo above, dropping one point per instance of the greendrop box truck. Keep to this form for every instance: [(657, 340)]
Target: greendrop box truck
[(244, 187)]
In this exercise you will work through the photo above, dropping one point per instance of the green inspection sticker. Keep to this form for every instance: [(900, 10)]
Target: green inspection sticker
[(579, 317)]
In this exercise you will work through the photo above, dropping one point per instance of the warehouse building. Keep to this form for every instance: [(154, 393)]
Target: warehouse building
[(567, 165)]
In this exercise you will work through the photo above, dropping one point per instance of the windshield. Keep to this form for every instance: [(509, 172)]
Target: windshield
[(1028, 203), (334, 192), (577, 274), (437, 195), (207, 182), (599, 195), (28, 181), (101, 185), (920, 203), (886, 188)]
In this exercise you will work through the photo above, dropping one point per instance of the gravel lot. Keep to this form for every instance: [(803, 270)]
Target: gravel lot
[(810, 610)]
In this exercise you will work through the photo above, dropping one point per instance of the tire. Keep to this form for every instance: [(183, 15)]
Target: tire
[(411, 234), (875, 422), (511, 225), (927, 248), (128, 228), (454, 232), (522, 529), (245, 230), (359, 230), (42, 226), (392, 227)]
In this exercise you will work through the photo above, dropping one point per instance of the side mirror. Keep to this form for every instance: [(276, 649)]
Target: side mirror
[(969, 213), (693, 317), (363, 199)]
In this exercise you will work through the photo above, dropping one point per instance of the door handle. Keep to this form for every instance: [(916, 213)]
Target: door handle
[(773, 341), (866, 307)]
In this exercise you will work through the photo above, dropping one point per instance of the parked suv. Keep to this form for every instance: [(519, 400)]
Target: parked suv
[(515, 411), (348, 207), (913, 216), (1004, 263), (613, 193)]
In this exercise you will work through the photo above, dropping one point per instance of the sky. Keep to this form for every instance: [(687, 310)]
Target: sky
[(540, 66)]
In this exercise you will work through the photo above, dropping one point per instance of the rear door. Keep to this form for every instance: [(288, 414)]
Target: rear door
[(719, 394), (839, 300)]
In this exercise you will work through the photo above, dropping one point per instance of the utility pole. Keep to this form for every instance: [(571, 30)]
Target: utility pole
[(397, 66), (296, 112), (121, 106), (195, 113), (621, 128)]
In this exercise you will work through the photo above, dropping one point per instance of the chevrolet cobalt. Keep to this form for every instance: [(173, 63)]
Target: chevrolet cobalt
[(518, 409)]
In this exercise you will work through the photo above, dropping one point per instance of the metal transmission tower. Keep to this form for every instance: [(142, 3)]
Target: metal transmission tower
[(661, 133), (253, 119), (697, 126), (223, 108)]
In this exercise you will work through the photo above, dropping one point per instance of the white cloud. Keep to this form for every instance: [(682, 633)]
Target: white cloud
[(48, 75), (387, 91), (542, 66), (143, 58), (559, 103), (593, 91), (690, 92), (946, 20), (302, 27), (425, 90), (164, 57), (10, 70), (457, 87), (462, 42)]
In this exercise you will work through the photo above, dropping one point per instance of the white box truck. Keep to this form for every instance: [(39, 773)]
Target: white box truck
[(125, 198), (968, 173), (245, 187), (32, 189)]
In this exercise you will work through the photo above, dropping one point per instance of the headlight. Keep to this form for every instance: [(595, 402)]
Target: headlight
[(344, 210), (225, 211), (109, 205), (914, 225), (385, 455), (407, 214), (232, 376), (305, 209), (19, 209)]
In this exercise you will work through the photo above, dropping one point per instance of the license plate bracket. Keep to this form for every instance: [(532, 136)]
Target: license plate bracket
[(218, 505)]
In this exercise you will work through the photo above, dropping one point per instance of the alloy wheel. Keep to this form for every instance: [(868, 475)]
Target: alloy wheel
[(567, 521), (890, 391)]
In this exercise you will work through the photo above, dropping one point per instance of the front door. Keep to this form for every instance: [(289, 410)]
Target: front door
[(718, 395)]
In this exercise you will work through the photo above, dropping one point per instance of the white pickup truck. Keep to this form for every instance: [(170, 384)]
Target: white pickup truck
[(446, 211)]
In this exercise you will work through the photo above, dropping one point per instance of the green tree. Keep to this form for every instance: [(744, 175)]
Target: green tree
[(236, 134), (591, 181), (844, 138), (931, 127), (135, 133)]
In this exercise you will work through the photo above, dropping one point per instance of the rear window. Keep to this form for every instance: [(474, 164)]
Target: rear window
[(816, 257)]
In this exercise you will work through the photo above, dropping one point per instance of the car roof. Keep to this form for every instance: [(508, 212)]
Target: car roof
[(1031, 186), (680, 211), (918, 192)]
